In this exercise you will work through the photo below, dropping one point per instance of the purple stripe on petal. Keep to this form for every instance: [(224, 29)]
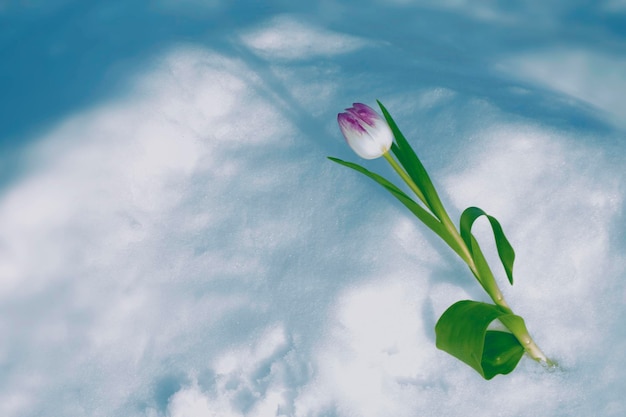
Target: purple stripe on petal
[(348, 121), (365, 113)]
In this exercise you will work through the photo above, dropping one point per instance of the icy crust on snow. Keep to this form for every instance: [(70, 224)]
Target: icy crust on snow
[(186, 249)]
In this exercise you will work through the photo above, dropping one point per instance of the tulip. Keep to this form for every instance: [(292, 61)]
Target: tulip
[(367, 133), (462, 330)]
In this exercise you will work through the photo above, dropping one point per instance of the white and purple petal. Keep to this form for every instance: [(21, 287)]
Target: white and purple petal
[(366, 132)]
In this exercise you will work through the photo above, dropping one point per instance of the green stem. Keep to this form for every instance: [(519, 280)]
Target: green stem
[(534, 352), (454, 237), (462, 250), (394, 164), (517, 327)]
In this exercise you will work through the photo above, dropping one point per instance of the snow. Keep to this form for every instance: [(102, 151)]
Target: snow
[(174, 242)]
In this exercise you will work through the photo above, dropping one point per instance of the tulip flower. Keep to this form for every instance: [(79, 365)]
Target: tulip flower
[(464, 328), (367, 133)]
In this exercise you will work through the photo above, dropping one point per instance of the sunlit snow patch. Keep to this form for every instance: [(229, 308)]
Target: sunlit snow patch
[(595, 77), (286, 37)]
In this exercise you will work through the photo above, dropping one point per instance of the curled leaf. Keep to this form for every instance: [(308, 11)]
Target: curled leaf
[(462, 332), (505, 250)]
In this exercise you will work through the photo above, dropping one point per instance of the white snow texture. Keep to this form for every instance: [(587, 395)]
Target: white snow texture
[(181, 246)]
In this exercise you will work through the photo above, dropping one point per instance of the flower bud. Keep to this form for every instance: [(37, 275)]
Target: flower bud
[(367, 133)]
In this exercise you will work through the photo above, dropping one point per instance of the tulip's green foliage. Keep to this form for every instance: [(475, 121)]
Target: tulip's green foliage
[(462, 329), (428, 219), (502, 352), (415, 208), (413, 166), (505, 250), (462, 332)]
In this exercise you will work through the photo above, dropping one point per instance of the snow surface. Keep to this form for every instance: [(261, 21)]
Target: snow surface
[(174, 243)]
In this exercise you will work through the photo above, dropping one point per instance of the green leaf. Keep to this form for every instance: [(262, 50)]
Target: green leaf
[(462, 332), (501, 354), (414, 167), (428, 219), (505, 250)]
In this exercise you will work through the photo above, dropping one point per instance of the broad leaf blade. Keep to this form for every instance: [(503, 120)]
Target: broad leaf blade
[(413, 166), (505, 250), (501, 353), (462, 332), (431, 222)]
